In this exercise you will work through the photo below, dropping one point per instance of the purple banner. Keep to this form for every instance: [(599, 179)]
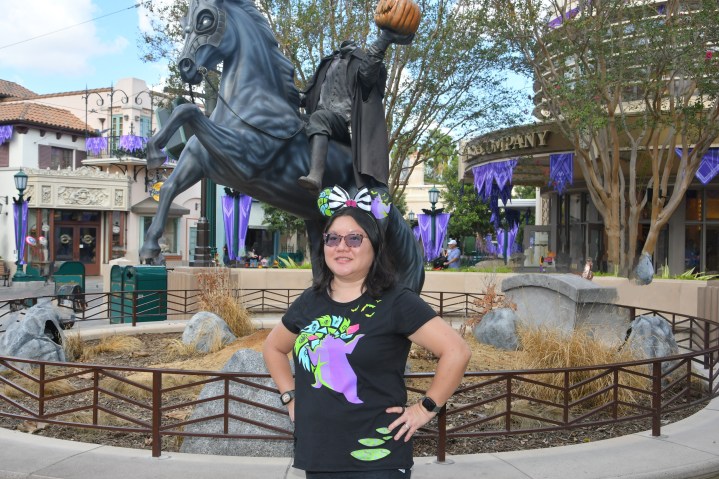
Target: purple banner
[(20, 213), (425, 230), (96, 145), (485, 175), (132, 142), (417, 236), (5, 133), (561, 171), (709, 166), (236, 218), (555, 22)]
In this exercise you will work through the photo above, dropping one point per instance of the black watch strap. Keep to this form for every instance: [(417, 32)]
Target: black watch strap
[(287, 397)]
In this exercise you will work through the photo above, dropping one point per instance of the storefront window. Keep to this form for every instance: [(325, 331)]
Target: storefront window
[(693, 206), (712, 204), (712, 250), (169, 239), (692, 247)]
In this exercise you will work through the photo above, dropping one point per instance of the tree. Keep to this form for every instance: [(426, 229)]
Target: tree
[(450, 78), (627, 83), (469, 215)]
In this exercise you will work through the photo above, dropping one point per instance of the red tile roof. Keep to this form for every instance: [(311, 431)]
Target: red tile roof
[(40, 115), (13, 90)]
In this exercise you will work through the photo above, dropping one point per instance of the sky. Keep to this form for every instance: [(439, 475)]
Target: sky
[(52, 46)]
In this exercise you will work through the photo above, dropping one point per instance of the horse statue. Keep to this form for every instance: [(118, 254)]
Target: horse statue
[(254, 141)]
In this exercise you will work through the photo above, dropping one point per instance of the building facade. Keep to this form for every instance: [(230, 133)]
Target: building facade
[(90, 194)]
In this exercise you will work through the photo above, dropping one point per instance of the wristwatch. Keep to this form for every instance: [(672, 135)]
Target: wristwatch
[(429, 404), (287, 397)]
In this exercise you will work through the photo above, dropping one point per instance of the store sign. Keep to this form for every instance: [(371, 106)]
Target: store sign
[(512, 142), (155, 191)]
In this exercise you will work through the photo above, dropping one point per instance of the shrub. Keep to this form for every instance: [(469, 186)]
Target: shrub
[(216, 296)]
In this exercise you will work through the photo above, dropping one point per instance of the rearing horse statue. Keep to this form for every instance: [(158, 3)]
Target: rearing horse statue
[(254, 141)]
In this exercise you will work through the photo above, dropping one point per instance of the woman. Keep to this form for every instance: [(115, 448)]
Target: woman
[(350, 334)]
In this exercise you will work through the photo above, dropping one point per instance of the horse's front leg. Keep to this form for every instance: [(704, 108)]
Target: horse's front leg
[(184, 114), (188, 172)]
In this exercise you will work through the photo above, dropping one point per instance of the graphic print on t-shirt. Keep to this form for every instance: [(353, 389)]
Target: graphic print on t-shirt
[(322, 348)]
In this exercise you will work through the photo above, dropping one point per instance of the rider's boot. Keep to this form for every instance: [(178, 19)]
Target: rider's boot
[(318, 149)]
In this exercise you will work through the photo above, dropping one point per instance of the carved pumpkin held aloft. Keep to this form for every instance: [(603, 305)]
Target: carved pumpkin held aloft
[(401, 16)]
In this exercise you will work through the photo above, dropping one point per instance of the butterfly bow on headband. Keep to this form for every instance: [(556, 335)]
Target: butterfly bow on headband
[(335, 198)]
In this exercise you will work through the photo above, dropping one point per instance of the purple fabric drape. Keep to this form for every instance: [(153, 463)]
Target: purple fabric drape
[(236, 218), (499, 173), (425, 229), (228, 214), (561, 171), (96, 145), (132, 142), (555, 22), (5, 133), (709, 166), (20, 213), (245, 205), (417, 236)]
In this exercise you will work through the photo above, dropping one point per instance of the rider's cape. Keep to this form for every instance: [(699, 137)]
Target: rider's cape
[(370, 146)]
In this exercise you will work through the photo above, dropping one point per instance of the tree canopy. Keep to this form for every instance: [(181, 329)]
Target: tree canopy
[(450, 78), (630, 84)]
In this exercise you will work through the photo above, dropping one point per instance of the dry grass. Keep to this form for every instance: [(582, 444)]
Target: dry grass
[(199, 362), (216, 296), (52, 388), (109, 344), (490, 299), (549, 348), (74, 346)]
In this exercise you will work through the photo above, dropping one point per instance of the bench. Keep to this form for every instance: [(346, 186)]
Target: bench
[(4, 274)]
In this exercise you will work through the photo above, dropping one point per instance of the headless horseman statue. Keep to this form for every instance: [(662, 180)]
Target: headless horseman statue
[(344, 102)]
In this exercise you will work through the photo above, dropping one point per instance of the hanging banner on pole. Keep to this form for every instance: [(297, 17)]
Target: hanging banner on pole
[(20, 214)]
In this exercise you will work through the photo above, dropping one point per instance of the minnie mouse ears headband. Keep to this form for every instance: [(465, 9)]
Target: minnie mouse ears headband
[(374, 202)]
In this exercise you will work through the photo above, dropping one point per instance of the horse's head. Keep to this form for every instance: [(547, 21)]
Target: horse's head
[(204, 26)]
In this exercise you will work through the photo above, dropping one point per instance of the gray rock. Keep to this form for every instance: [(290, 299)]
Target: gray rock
[(644, 272), (205, 329), (566, 302), (244, 360), (498, 328), (37, 335), (652, 337)]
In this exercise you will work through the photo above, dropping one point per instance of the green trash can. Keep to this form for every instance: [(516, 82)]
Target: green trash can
[(120, 302), (70, 272), (148, 284)]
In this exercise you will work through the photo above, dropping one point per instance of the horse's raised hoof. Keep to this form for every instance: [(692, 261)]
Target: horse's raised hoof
[(310, 184), (149, 252)]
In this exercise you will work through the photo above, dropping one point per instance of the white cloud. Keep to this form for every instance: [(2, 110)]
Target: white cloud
[(68, 52)]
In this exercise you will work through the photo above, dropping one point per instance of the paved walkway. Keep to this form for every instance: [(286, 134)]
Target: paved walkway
[(688, 449)]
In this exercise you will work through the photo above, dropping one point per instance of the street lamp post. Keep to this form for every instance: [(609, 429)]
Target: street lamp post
[(411, 217), (21, 184)]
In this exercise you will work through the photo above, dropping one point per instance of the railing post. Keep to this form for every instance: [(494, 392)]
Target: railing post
[(441, 303), (41, 391), (442, 438), (134, 308), (656, 398), (156, 413)]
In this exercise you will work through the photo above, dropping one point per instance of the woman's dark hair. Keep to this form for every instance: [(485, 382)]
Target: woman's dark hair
[(381, 275)]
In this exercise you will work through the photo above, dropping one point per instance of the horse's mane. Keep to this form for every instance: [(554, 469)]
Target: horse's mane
[(283, 65)]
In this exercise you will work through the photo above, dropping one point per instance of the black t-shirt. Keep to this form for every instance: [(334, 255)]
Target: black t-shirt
[(349, 367)]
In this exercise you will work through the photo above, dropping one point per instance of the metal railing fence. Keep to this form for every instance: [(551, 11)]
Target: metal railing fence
[(488, 403)]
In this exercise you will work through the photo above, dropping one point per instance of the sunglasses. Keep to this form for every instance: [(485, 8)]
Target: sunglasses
[(353, 240)]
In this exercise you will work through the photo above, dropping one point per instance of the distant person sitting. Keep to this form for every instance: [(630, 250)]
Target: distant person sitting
[(453, 255)]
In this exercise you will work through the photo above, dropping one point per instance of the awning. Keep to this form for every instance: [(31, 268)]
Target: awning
[(148, 207)]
